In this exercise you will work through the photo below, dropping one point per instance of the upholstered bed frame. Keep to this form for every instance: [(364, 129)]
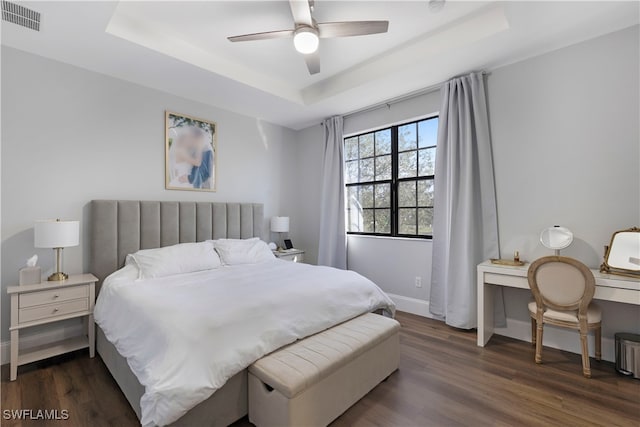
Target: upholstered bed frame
[(121, 227)]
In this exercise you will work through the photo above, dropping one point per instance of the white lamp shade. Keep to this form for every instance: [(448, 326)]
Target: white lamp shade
[(280, 224), (56, 234)]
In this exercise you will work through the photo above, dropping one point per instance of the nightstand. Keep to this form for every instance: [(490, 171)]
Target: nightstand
[(295, 255), (49, 302)]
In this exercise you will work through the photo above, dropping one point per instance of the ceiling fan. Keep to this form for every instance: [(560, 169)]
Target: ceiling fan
[(307, 32)]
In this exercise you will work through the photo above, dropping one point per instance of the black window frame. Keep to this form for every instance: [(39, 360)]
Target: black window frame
[(395, 180)]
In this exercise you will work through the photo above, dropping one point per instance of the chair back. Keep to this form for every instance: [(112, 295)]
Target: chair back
[(561, 283)]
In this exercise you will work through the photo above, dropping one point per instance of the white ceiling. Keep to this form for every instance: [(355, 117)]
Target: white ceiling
[(180, 47)]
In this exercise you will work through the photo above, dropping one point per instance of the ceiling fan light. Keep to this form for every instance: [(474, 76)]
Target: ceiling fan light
[(306, 40)]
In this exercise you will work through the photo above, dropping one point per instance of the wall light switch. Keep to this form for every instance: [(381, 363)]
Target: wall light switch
[(418, 282)]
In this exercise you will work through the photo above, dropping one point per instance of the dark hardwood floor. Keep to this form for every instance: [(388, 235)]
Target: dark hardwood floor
[(444, 380)]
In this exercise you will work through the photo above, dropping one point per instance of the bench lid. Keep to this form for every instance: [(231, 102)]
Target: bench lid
[(294, 368)]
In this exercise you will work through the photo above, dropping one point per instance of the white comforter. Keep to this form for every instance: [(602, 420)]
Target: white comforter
[(184, 336)]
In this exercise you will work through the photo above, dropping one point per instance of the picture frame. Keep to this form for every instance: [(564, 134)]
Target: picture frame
[(190, 153), (288, 244)]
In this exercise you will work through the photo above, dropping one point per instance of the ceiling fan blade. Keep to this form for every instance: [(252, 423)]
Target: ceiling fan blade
[(352, 28), (313, 62), (261, 36), (301, 12)]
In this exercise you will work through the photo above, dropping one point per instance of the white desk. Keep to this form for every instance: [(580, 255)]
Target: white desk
[(608, 288)]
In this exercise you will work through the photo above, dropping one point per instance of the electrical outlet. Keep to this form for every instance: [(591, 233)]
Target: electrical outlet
[(418, 282)]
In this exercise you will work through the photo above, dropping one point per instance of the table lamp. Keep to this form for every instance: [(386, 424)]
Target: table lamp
[(280, 224), (57, 234)]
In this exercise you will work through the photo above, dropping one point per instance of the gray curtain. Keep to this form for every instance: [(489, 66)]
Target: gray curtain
[(332, 247), (465, 224)]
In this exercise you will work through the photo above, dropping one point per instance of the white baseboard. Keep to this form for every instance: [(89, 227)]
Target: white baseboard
[(51, 335), (559, 338), (412, 305), (555, 337)]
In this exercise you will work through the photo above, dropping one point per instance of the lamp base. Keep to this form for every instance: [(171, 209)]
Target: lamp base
[(58, 277)]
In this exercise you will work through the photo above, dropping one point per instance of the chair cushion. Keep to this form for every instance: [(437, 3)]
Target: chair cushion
[(594, 314)]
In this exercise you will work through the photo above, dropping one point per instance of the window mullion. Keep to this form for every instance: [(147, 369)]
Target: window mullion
[(416, 187), (394, 181), (359, 161)]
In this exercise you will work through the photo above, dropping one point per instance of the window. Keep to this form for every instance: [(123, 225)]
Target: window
[(389, 180)]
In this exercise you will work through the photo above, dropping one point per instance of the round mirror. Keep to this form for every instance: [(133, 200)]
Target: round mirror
[(556, 237)]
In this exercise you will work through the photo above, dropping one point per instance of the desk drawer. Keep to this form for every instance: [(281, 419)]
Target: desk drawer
[(52, 310), (505, 280), (617, 294), (53, 296)]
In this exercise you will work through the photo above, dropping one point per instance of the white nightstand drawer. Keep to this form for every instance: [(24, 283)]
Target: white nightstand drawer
[(293, 257), (52, 310), (53, 296)]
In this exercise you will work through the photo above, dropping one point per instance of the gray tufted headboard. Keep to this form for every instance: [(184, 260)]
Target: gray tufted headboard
[(121, 227)]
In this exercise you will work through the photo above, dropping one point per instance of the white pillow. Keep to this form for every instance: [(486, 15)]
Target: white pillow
[(243, 251), (176, 259)]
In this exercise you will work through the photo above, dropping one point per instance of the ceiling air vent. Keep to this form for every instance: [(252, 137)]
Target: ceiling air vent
[(20, 15)]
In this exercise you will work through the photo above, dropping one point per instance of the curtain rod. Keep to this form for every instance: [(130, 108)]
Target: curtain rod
[(389, 102)]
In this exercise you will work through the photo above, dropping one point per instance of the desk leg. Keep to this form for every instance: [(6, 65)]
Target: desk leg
[(485, 311), (14, 355)]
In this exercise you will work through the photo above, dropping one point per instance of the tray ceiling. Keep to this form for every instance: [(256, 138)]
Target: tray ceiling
[(181, 47)]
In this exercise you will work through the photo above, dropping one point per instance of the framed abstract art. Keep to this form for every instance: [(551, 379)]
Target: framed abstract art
[(190, 153)]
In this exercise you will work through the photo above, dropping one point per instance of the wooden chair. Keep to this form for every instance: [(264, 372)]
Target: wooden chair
[(563, 288)]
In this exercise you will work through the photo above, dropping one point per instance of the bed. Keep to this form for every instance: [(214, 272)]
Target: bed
[(123, 227)]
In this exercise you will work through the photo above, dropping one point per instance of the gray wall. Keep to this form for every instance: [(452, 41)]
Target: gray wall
[(70, 136), (303, 203), (566, 147)]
